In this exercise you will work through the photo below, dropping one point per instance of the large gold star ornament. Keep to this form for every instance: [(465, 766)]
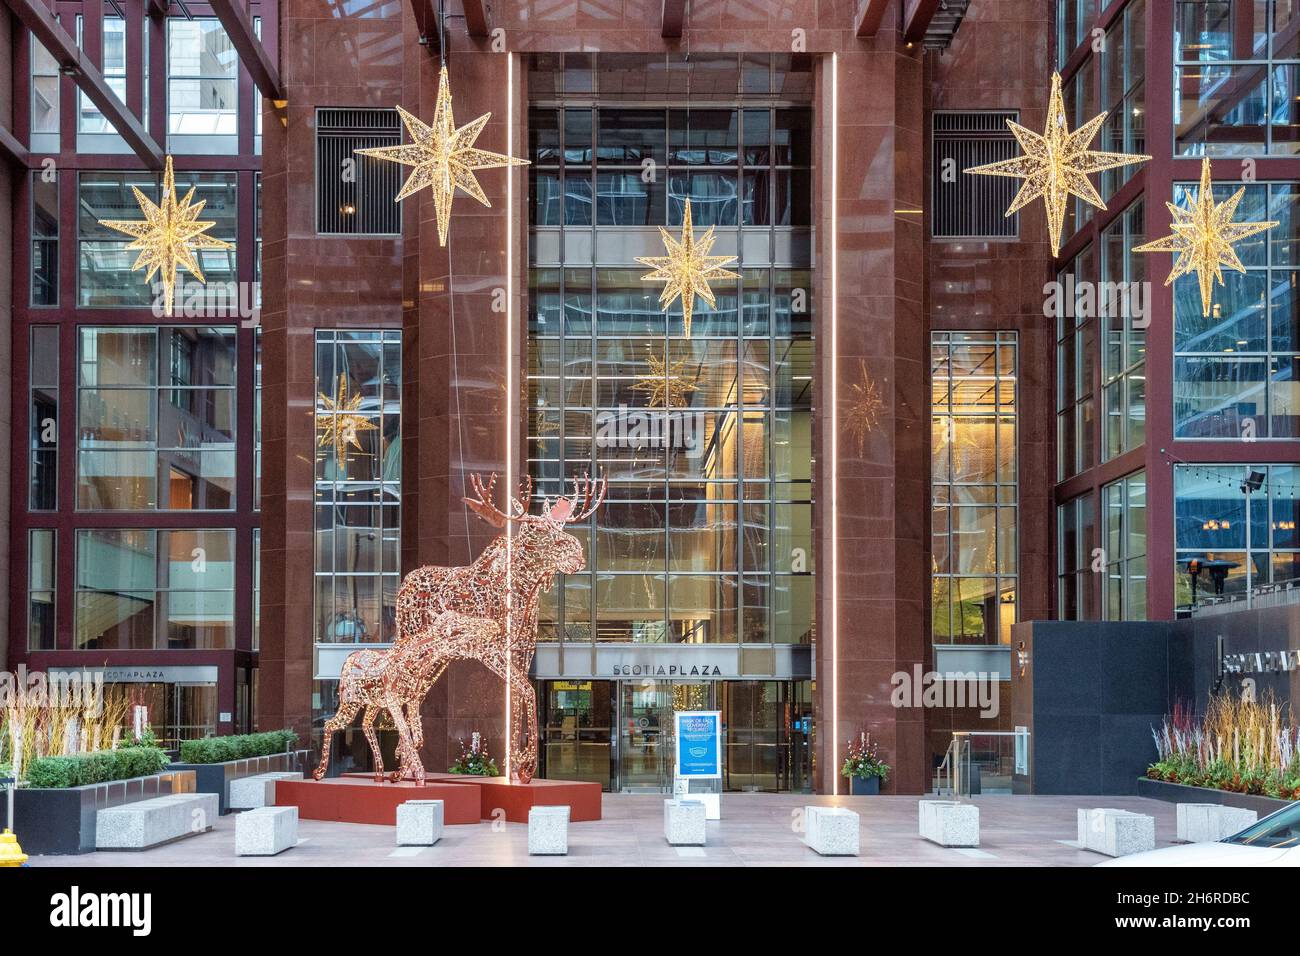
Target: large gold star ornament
[(687, 269), (1056, 164), (168, 235), (667, 384), (1204, 234), (444, 157), (339, 424)]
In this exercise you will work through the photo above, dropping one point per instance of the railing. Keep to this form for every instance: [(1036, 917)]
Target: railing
[(981, 762), (1265, 595)]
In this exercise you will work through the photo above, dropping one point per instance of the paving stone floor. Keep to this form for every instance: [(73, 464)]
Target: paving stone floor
[(755, 830)]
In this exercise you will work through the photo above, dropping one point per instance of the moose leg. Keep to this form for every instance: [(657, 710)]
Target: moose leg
[(368, 728), (340, 721), (413, 709), (524, 756), (407, 757)]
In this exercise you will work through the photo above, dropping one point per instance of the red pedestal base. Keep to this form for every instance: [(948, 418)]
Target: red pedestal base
[(582, 798), (357, 798)]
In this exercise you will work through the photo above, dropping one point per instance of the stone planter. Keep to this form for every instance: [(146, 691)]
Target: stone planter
[(62, 821), (864, 786), (216, 777), (1182, 793)]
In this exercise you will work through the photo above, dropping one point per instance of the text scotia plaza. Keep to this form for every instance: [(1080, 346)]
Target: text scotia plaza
[(840, 491)]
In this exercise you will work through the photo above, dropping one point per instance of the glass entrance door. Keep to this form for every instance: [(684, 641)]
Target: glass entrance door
[(576, 718), (645, 738)]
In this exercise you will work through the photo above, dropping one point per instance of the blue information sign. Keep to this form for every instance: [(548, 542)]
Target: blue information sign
[(699, 743)]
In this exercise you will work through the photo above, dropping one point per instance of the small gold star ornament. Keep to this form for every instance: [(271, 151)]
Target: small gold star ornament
[(168, 235), (687, 269), (865, 407), (1056, 164), (339, 424), (444, 157), (666, 384), (1203, 237)]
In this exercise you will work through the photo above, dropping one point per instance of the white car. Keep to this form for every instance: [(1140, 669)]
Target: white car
[(1273, 841)]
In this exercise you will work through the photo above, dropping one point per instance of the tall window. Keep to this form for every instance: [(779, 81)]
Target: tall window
[(1077, 569), (1073, 20), (1236, 77), (156, 418), (1236, 371), (1124, 504), (358, 484), (257, 589), (94, 132), (40, 589), (1076, 366), (202, 87), (1123, 69), (705, 534), (1210, 526), (45, 238), (149, 589), (973, 486), (45, 100), (1123, 357), (43, 420)]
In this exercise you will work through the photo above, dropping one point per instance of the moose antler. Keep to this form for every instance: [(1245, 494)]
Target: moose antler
[(588, 493), (481, 504)]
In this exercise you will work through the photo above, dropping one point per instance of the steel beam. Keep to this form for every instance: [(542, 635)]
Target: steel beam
[(674, 18), (867, 17), (258, 63), (916, 19), (478, 21), (9, 144)]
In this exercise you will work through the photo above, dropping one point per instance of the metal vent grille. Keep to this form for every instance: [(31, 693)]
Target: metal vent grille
[(965, 206), (354, 194)]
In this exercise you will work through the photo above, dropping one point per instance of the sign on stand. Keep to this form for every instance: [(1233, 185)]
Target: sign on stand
[(698, 756)]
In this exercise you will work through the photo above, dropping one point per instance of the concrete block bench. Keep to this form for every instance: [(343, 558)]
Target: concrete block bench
[(831, 831), (249, 793), (684, 822), (266, 831), (419, 822), (1116, 832), (149, 823), (1208, 822), (548, 831), (949, 823)]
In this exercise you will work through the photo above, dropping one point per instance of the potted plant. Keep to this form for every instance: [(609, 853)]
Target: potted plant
[(863, 766), (474, 760)]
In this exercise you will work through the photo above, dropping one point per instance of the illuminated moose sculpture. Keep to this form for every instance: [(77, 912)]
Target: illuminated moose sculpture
[(500, 588)]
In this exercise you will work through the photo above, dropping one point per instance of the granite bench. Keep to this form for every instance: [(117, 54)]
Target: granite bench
[(684, 822), (150, 823), (949, 823), (1116, 832), (419, 822), (1209, 822), (831, 831), (548, 831), (266, 831), (249, 793)]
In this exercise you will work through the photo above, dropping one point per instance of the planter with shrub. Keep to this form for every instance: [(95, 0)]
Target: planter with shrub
[(216, 761), (864, 767), (54, 810)]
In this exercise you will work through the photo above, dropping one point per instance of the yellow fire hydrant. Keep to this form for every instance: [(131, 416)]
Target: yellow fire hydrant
[(11, 854)]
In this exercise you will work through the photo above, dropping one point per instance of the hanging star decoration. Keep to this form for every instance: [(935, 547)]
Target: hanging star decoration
[(1056, 164), (666, 384), (865, 407), (444, 157), (339, 423), (687, 269), (1203, 237), (168, 235)]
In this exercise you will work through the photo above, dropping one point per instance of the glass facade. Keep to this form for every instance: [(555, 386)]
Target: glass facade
[(1236, 370), (1210, 526), (1123, 75), (43, 418), (1124, 338), (358, 484), (146, 589), (1124, 517), (1076, 368), (1236, 77), (45, 238), (974, 487), (156, 418), (202, 87), (1078, 565), (40, 589)]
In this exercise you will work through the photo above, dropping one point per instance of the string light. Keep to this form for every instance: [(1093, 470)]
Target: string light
[(340, 425), (1203, 237), (1055, 165), (666, 383), (168, 236), (688, 268)]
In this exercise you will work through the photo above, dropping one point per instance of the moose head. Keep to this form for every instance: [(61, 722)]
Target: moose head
[(540, 541)]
